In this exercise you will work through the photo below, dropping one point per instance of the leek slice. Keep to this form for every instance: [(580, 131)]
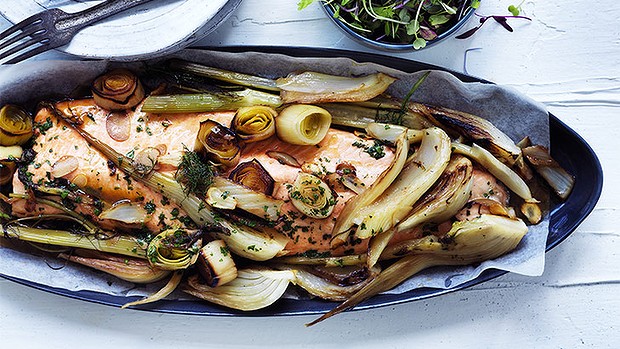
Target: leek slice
[(215, 264), (414, 180), (253, 289), (303, 124), (15, 126), (174, 249), (255, 123), (311, 196), (208, 102)]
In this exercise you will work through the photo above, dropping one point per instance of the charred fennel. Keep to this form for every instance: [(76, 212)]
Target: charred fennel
[(472, 127), (242, 240), (442, 202), (425, 167), (468, 242), (506, 175)]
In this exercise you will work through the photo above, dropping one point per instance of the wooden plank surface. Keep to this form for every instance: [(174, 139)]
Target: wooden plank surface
[(568, 57)]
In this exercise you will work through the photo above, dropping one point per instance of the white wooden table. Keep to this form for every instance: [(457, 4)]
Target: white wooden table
[(568, 57)]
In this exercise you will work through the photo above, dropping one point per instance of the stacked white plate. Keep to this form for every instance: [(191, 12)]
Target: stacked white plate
[(153, 29)]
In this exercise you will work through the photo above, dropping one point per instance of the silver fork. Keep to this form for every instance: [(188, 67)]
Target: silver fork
[(53, 28)]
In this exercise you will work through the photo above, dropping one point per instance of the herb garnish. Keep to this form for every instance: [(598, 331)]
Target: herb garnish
[(194, 173), (412, 22)]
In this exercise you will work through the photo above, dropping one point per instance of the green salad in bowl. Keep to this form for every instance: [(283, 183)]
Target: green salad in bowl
[(398, 24)]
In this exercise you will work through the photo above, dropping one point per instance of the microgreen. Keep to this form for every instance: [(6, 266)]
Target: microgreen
[(414, 22), (502, 20)]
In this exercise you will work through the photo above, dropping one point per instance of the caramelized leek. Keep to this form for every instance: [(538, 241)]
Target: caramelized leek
[(15, 126), (254, 176), (208, 102), (218, 144), (468, 242), (215, 264), (312, 87), (117, 90), (303, 124), (254, 288)]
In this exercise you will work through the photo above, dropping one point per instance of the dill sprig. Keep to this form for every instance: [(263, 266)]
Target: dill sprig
[(196, 175)]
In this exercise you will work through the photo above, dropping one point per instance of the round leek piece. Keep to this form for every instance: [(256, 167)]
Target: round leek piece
[(254, 176), (218, 143), (117, 90), (303, 124), (253, 124), (15, 126), (173, 249), (312, 196)]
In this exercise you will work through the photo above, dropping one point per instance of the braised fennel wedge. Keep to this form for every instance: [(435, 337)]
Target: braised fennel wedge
[(236, 190)]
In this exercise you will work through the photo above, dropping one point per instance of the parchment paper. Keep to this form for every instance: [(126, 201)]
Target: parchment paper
[(514, 113)]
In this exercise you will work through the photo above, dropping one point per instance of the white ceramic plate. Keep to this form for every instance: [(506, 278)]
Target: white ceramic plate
[(146, 31)]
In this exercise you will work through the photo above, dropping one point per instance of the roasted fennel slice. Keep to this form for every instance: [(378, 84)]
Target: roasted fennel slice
[(253, 288), (129, 269), (471, 127), (468, 242), (331, 283), (413, 181), (357, 204), (439, 204), (530, 208)]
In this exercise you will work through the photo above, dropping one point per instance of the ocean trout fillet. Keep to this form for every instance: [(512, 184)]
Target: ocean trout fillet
[(56, 139)]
